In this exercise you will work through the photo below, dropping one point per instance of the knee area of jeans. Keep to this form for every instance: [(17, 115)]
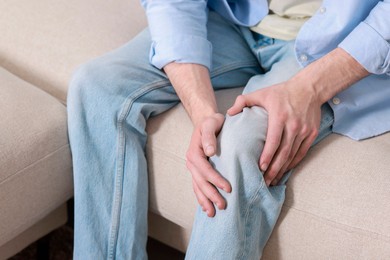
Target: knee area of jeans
[(91, 86), (235, 144), (86, 76), (244, 133), (246, 186), (76, 88)]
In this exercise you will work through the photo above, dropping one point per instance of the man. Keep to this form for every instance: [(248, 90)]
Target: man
[(267, 132)]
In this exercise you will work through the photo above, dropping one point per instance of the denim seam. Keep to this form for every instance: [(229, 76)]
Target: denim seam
[(248, 209), (117, 205), (231, 66)]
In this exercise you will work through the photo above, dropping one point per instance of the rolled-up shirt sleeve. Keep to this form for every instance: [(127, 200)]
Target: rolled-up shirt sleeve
[(178, 31), (369, 42)]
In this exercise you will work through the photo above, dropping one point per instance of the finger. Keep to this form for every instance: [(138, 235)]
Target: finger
[(209, 130), (299, 150), (296, 146), (200, 165), (238, 105), (249, 100), (272, 143), (303, 149), (207, 188), (242, 101), (281, 157), (212, 194), (204, 202)]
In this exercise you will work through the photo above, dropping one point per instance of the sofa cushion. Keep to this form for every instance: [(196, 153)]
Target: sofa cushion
[(35, 162), (337, 203), (43, 41)]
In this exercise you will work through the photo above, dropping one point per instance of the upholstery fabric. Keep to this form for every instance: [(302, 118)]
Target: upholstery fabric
[(33, 141), (337, 203), (55, 219), (50, 39)]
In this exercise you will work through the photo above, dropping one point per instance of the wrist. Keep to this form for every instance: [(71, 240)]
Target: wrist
[(199, 118), (329, 75), (193, 86)]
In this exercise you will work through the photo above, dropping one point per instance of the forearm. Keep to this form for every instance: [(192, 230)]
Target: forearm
[(329, 75), (193, 86)]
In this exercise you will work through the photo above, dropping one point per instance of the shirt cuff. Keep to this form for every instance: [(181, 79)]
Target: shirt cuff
[(181, 49), (369, 48)]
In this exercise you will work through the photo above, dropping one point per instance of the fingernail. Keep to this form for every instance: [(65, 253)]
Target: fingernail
[(268, 182), (210, 150), (264, 167), (275, 182)]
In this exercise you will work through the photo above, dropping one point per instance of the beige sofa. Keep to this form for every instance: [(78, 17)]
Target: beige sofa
[(338, 201)]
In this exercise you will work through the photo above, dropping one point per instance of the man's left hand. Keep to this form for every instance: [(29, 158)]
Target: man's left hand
[(294, 115)]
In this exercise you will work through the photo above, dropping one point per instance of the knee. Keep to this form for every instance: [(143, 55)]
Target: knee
[(241, 142), (84, 81), (243, 135), (88, 96)]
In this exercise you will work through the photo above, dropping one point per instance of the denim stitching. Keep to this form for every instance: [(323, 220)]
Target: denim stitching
[(232, 66), (120, 161), (248, 209)]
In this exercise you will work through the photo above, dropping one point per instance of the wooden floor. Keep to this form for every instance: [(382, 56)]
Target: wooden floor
[(61, 246)]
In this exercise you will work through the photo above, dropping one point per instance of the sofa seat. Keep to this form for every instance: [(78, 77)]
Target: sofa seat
[(337, 202), (42, 42), (35, 167)]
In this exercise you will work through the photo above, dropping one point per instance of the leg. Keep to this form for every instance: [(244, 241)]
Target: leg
[(109, 101), (242, 230), (106, 131)]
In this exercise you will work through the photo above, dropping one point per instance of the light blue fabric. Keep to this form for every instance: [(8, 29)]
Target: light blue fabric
[(362, 28), (178, 27), (109, 101)]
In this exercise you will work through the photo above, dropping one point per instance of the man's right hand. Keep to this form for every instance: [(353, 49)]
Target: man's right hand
[(193, 86), (205, 178)]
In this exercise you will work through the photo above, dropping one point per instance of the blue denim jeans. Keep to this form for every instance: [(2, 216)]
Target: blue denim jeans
[(109, 101)]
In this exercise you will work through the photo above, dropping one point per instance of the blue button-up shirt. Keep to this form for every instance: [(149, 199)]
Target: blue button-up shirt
[(361, 28)]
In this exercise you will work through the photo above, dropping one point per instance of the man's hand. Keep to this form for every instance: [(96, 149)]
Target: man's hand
[(205, 178), (294, 109), (193, 86), (294, 115)]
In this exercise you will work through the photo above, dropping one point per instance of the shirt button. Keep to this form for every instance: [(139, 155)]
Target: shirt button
[(303, 57), (322, 10), (336, 101)]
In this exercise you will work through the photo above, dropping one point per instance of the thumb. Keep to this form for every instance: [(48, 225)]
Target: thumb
[(238, 106), (209, 130)]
